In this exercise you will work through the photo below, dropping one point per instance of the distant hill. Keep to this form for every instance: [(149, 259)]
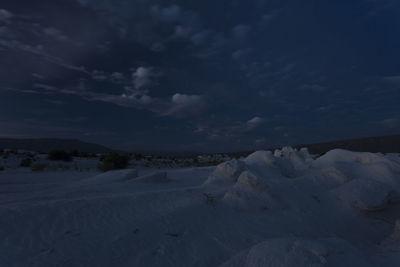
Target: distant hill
[(383, 144), (48, 144)]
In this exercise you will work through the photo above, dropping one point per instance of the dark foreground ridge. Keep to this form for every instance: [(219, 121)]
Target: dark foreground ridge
[(48, 144)]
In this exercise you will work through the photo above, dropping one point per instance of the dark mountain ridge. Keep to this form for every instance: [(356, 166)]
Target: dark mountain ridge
[(47, 144), (377, 144), (383, 144)]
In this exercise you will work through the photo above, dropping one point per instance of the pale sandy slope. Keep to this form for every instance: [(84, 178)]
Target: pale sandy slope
[(282, 209)]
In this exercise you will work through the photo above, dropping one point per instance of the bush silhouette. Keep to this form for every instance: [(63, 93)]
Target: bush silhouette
[(27, 162), (113, 161), (59, 155), (38, 167)]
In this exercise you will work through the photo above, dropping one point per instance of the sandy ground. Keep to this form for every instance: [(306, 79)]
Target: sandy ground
[(281, 209)]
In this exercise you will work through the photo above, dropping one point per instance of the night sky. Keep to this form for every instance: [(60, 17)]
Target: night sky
[(195, 75)]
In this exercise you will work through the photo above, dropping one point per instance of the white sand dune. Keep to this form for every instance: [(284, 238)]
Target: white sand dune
[(269, 209)]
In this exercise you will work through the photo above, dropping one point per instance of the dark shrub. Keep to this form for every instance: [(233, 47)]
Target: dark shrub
[(26, 162), (6, 154), (38, 167), (113, 161), (87, 155), (76, 154), (2, 168), (29, 154), (59, 155)]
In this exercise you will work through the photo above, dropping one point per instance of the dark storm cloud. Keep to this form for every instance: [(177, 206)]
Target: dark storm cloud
[(249, 73)]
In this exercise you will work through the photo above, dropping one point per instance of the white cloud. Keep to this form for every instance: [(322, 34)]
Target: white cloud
[(392, 79), (117, 76), (5, 15), (99, 75), (136, 100), (3, 30), (267, 17), (182, 31), (324, 108), (179, 105), (391, 123), (142, 77), (182, 99), (183, 105), (241, 53), (200, 37), (254, 123), (55, 33), (40, 51), (48, 88), (240, 31), (158, 47), (260, 141), (145, 99), (171, 13), (38, 76)]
